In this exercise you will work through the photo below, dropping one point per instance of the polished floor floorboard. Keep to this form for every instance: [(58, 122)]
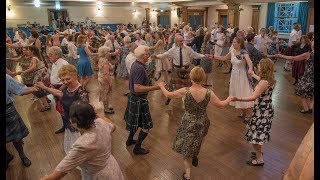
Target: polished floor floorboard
[(223, 153)]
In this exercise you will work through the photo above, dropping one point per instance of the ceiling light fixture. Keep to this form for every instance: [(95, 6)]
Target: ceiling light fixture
[(99, 4), (58, 7), (36, 3)]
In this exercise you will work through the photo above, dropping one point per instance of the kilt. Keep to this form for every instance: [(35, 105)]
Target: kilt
[(15, 127), (137, 113), (176, 82)]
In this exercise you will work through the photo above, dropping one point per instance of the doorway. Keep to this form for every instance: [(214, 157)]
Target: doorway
[(223, 17), (164, 20), (195, 21), (57, 14)]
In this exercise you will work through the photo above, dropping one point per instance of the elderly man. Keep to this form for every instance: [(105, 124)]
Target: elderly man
[(115, 49), (294, 38), (55, 55), (262, 41), (182, 56), (137, 112)]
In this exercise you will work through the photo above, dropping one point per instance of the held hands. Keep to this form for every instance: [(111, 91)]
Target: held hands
[(153, 56), (19, 72), (208, 56), (278, 55), (250, 72), (40, 85), (232, 98), (162, 84)]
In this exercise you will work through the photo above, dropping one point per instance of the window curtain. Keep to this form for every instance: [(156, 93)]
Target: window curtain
[(270, 14), (303, 16)]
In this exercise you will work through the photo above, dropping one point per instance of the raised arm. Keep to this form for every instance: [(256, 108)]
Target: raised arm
[(260, 88), (223, 58), (214, 100), (175, 94), (55, 92), (300, 57)]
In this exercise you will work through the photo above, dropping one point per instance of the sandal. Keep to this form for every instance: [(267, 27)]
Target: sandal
[(255, 162), (109, 112), (254, 155), (240, 116), (184, 178), (195, 161), (46, 108)]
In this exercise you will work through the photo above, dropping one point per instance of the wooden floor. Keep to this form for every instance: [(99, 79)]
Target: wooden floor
[(223, 153)]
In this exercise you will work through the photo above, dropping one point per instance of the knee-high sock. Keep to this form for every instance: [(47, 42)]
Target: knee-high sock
[(19, 148), (142, 136), (8, 155), (130, 137)]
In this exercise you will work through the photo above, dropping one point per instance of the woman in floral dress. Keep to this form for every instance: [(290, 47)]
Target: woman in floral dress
[(305, 87), (195, 122), (260, 122), (122, 70)]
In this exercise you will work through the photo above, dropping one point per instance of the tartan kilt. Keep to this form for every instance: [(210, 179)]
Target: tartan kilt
[(176, 82), (15, 127), (137, 113)]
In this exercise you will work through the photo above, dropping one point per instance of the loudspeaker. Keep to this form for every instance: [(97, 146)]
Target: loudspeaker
[(178, 12)]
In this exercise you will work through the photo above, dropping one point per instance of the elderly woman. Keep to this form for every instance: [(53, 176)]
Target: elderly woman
[(105, 80), (92, 150), (73, 91), (195, 122)]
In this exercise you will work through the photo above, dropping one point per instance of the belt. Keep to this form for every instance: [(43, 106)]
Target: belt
[(176, 66), (139, 95)]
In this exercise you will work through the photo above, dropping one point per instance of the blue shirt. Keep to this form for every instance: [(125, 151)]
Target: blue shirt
[(138, 75), (13, 88)]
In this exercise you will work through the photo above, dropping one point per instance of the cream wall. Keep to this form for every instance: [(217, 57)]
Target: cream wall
[(263, 15), (213, 15), (22, 14), (245, 19)]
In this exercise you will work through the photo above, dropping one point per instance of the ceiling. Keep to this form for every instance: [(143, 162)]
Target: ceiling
[(159, 4)]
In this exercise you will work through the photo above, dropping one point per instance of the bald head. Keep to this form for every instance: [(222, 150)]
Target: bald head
[(178, 40)]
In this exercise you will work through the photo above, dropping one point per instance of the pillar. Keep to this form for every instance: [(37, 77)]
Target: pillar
[(233, 13), (310, 14), (148, 15), (185, 14)]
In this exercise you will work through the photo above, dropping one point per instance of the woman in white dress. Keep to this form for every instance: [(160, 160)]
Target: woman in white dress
[(240, 82), (162, 65), (187, 35)]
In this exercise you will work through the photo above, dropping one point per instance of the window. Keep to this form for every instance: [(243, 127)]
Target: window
[(285, 15)]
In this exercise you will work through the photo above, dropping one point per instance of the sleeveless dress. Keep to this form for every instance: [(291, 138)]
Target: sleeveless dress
[(206, 64), (194, 126), (84, 64), (122, 69), (162, 65), (305, 87), (259, 125), (27, 78), (239, 83)]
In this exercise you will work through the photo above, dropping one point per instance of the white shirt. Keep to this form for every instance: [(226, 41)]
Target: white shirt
[(141, 42), (129, 60), (294, 36), (187, 55), (21, 42), (64, 42), (16, 36), (108, 43), (261, 42), (72, 50), (141, 31), (125, 32), (69, 31), (230, 31), (54, 78)]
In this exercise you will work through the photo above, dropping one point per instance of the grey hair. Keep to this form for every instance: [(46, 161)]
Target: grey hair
[(56, 51), (103, 51), (140, 50)]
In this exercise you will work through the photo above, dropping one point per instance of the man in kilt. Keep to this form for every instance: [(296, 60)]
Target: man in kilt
[(16, 130), (182, 56), (137, 113)]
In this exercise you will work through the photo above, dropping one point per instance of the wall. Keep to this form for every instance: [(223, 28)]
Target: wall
[(213, 15), (245, 19), (263, 15), (22, 14)]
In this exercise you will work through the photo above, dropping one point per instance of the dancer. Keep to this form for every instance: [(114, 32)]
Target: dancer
[(240, 83), (137, 112), (92, 150), (259, 126), (16, 130), (195, 122)]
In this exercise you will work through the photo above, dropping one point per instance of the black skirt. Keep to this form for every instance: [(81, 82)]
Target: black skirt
[(137, 113), (15, 127)]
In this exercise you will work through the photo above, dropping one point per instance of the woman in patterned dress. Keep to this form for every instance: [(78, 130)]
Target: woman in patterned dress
[(92, 150), (305, 87), (41, 74), (195, 122), (105, 79), (122, 70), (259, 125), (206, 64)]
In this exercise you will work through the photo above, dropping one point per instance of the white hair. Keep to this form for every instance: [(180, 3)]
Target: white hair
[(103, 51), (56, 51), (140, 50)]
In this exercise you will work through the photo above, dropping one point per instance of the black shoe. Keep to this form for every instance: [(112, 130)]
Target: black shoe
[(129, 143), (126, 94), (167, 101), (61, 130), (26, 162), (295, 83), (184, 178), (10, 158), (195, 161), (140, 151)]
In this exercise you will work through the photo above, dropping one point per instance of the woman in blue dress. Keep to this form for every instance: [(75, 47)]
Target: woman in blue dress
[(84, 65), (125, 49)]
